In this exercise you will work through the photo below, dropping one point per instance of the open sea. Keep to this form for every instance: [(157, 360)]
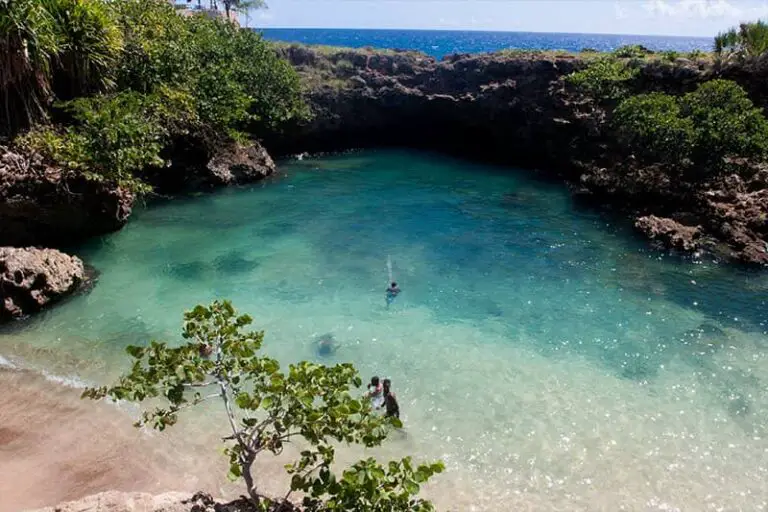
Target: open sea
[(439, 43)]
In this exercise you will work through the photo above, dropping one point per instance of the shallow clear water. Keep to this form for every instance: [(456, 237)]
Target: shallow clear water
[(545, 354)]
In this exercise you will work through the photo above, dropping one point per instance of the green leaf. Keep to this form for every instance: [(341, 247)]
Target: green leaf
[(235, 471), (411, 487)]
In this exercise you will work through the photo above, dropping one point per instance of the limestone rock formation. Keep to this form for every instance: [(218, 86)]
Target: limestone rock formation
[(194, 166), (42, 205), (669, 232), (31, 279), (237, 164)]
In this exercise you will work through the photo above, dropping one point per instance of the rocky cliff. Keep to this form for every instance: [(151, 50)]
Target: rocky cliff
[(517, 109)]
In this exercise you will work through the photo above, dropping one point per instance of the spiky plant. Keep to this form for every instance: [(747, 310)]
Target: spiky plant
[(28, 42), (754, 38), (748, 41), (90, 47)]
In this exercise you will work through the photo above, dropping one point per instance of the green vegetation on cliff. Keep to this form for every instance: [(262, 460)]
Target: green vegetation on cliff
[(124, 79), (699, 130), (748, 40), (267, 408), (695, 134)]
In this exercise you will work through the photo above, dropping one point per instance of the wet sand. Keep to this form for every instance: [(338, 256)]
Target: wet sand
[(53, 448)]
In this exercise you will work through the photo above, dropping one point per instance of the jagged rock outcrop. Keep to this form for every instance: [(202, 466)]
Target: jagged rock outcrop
[(43, 205), (237, 164), (671, 233), (31, 279), (195, 165)]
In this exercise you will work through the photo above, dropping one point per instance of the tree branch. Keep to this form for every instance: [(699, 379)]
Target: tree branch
[(304, 474), (202, 385)]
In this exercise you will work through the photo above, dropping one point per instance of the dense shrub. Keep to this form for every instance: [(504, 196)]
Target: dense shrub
[(726, 121), (698, 131), (632, 51), (651, 124), (670, 55), (137, 74), (604, 79), (115, 136)]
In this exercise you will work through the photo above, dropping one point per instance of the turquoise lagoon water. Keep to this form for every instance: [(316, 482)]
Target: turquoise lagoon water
[(550, 358)]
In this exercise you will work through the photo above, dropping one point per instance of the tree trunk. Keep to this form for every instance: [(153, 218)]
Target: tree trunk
[(247, 463)]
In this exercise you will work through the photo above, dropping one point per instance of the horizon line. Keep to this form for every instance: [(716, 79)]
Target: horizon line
[(485, 30)]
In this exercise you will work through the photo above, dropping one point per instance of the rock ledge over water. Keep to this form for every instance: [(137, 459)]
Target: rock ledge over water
[(31, 279), (45, 205)]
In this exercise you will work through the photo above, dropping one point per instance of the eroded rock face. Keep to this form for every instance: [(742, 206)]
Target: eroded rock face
[(31, 279), (195, 166), (669, 232), (41, 205), (237, 164)]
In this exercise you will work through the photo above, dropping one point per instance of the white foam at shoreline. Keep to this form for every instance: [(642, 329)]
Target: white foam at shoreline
[(5, 363)]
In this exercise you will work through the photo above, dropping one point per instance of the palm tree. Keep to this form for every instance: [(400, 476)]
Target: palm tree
[(749, 40), (28, 43), (242, 6), (90, 46)]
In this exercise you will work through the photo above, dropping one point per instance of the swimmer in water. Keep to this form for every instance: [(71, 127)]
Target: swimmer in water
[(392, 292), (390, 401), (326, 345), (375, 391)]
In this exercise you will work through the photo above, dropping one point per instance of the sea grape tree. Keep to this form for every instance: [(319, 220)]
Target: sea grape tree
[(267, 408)]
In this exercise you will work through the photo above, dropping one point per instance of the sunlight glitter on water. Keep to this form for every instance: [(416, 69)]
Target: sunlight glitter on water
[(548, 358)]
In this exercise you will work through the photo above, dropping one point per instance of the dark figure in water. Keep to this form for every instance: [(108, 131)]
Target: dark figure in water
[(390, 400), (392, 292), (326, 345)]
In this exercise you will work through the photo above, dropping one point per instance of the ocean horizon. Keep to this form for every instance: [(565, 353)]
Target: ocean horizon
[(439, 43)]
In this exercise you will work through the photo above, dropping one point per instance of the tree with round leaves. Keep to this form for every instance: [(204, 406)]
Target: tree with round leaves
[(267, 408)]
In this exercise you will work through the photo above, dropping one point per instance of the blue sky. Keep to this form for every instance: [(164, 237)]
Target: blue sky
[(663, 17)]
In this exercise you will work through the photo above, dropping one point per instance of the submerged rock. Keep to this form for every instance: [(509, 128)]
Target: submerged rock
[(44, 205), (31, 279)]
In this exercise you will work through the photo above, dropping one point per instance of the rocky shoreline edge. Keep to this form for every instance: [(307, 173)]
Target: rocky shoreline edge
[(511, 108), (116, 501)]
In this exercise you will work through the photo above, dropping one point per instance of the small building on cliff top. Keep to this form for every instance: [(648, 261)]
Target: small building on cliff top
[(189, 8)]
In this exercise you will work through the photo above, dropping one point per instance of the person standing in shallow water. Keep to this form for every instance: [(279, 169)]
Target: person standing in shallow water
[(392, 292), (374, 392), (390, 405)]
